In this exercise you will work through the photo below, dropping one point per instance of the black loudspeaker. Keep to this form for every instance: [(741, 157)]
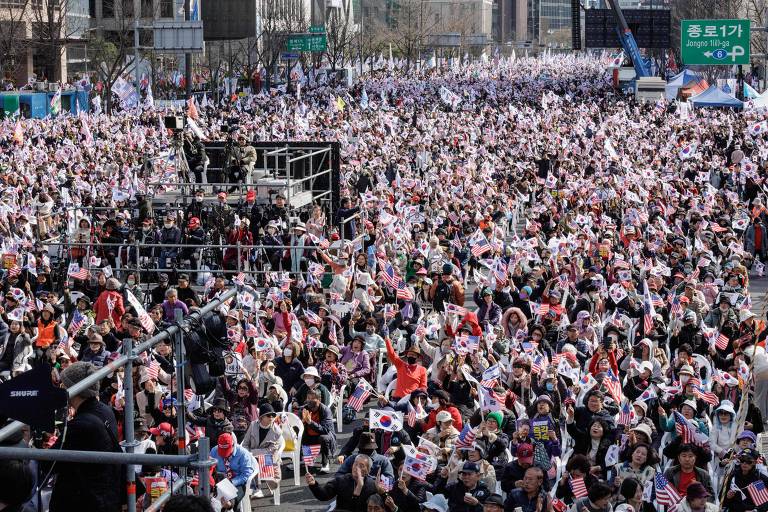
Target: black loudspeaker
[(576, 24), (203, 383), (228, 19)]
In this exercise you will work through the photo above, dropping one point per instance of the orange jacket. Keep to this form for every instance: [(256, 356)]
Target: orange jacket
[(407, 381)]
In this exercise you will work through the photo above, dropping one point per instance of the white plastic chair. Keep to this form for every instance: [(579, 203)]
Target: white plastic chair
[(380, 363), (390, 387), (293, 429), (338, 399), (386, 378), (245, 503)]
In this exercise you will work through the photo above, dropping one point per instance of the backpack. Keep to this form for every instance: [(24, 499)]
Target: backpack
[(540, 456)]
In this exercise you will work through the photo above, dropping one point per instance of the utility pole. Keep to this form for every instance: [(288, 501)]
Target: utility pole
[(188, 56), (136, 59)]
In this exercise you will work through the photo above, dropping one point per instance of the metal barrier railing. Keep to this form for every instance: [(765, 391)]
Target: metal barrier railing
[(131, 353)]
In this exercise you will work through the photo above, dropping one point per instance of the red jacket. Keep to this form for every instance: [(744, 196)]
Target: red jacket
[(455, 414), (407, 380), (109, 301), (611, 360)]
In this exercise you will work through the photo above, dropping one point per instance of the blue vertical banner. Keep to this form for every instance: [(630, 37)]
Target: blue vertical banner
[(194, 10)]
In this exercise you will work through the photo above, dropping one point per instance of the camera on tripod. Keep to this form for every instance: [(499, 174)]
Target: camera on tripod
[(175, 123)]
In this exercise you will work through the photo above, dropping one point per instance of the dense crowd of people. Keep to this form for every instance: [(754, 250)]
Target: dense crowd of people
[(534, 296)]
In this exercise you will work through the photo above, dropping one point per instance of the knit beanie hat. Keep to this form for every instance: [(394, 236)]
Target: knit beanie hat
[(76, 372), (495, 416)]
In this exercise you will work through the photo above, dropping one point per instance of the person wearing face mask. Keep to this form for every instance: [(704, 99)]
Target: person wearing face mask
[(170, 236), (289, 369), (195, 238), (373, 342), (443, 401), (195, 208), (148, 235), (132, 285), (312, 381), (410, 374), (318, 427)]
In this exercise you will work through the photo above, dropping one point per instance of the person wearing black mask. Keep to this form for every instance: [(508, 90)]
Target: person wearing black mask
[(318, 427)]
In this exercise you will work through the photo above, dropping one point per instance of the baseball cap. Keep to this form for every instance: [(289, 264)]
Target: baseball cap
[(469, 467), (164, 429), (226, 444), (525, 453)]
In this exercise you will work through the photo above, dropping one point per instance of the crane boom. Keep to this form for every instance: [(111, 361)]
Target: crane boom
[(628, 41)]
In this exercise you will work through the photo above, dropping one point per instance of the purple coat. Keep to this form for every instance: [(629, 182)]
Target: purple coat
[(357, 365)]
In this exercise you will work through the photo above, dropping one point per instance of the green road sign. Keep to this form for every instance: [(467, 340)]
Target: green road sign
[(317, 29), (714, 42), (306, 43)]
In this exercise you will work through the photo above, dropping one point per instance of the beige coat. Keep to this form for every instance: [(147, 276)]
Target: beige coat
[(273, 443)]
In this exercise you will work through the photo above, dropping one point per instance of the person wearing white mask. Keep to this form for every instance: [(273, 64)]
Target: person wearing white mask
[(289, 368), (311, 380)]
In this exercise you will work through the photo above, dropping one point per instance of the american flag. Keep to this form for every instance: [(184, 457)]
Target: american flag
[(542, 309), (312, 317), (16, 270), (707, 396), (153, 370), (684, 429), (539, 364), (410, 418), (404, 292), (473, 343), (491, 376), (332, 334), (194, 432), (456, 242), (63, 343), (360, 395), (481, 247), (78, 320), (758, 493), (267, 465), (309, 453), (613, 385), (657, 301), (556, 359), (695, 274), (285, 284), (722, 341), (388, 274), (77, 272), (625, 415), (335, 297), (666, 494), (466, 438), (675, 308), (648, 311), (578, 487)]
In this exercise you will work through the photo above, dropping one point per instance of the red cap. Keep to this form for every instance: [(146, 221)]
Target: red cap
[(684, 300), (226, 444), (194, 221), (222, 195), (163, 429), (525, 453), (250, 195)]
